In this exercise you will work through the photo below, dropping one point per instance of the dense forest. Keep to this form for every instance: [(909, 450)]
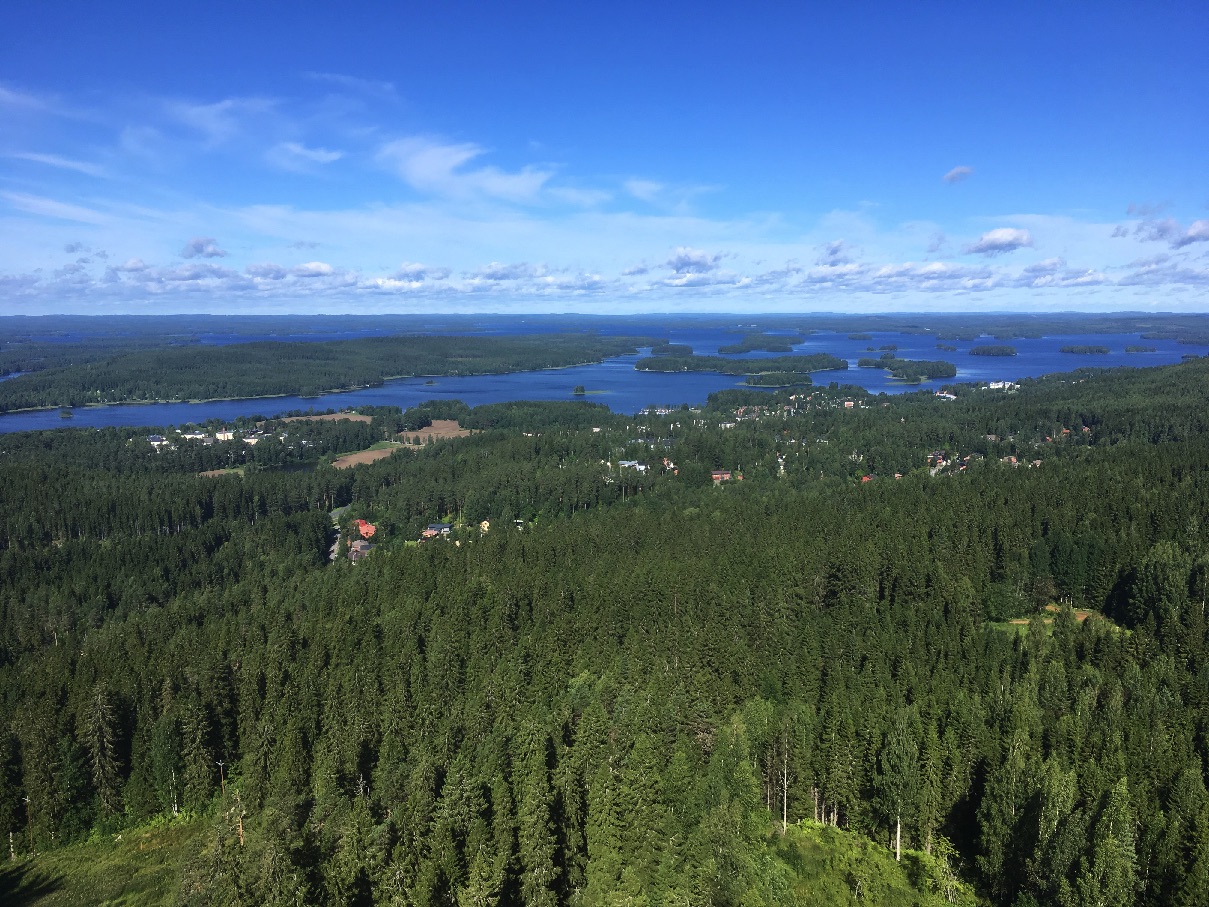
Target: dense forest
[(758, 653)]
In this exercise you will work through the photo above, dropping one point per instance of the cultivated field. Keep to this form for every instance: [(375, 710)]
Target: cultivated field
[(439, 430)]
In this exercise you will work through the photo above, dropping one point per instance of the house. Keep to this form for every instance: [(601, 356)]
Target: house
[(366, 530), (436, 529), (224, 435), (720, 475), (632, 464), (359, 549)]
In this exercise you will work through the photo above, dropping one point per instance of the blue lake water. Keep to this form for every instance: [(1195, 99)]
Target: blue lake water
[(618, 385)]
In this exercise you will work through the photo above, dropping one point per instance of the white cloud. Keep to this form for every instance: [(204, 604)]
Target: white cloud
[(417, 273), (957, 174), (1001, 240), (313, 269), (47, 207), (643, 190), (221, 121), (202, 247), (266, 271), (131, 266), (1198, 231), (298, 157), (438, 168), (62, 163), (686, 260), (497, 271), (355, 84), (835, 253)]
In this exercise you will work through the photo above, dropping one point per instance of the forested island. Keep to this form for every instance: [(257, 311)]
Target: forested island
[(266, 368), (1082, 349), (802, 364), (993, 349), (769, 343), (807, 647), (915, 370)]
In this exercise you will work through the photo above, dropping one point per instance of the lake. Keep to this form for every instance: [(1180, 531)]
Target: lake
[(624, 389)]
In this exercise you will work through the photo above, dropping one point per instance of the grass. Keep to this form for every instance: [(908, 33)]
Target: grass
[(833, 868), (139, 868)]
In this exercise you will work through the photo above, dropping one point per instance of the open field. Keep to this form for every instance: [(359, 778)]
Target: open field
[(377, 452), (438, 431)]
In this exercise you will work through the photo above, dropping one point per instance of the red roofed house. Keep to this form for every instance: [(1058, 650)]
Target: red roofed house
[(366, 530)]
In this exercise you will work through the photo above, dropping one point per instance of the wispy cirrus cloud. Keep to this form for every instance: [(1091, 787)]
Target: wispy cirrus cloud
[(220, 121), (957, 174), (49, 207), (298, 157), (62, 163), (439, 168)]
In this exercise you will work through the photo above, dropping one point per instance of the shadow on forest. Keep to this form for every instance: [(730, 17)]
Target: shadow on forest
[(21, 885)]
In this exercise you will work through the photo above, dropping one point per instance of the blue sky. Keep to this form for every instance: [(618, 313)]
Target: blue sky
[(603, 158)]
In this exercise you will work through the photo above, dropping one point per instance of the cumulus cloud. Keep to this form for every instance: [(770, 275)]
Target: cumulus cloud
[(1198, 231), (313, 269), (439, 168), (416, 273), (1120, 232), (1164, 230), (131, 266), (936, 243), (1172, 232), (266, 271), (1001, 240), (202, 247), (957, 174), (686, 260), (497, 271), (73, 247), (834, 253), (635, 271)]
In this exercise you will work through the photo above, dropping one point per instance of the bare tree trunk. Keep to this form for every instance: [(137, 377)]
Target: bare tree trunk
[(898, 838), (784, 790)]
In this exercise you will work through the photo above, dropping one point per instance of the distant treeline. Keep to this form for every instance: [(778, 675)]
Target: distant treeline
[(268, 368), (815, 362)]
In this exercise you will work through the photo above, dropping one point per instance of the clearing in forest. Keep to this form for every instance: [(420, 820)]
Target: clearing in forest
[(438, 431), (377, 452)]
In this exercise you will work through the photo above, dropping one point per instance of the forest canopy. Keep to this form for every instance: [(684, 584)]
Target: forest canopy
[(803, 646)]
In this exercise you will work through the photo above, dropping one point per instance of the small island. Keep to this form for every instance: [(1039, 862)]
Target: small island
[(579, 390), (993, 349), (1141, 349), (1080, 350), (946, 347), (910, 370), (798, 365), (768, 343)]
